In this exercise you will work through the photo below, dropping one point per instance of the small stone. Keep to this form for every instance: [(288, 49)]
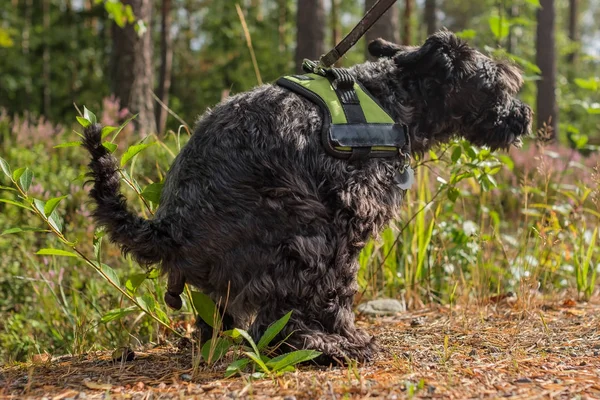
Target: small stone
[(596, 353), (473, 353), (382, 307), (581, 364), (289, 398), (186, 377), (162, 386), (523, 380)]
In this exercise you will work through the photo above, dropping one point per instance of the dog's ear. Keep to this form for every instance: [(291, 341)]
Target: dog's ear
[(509, 77), (443, 54), (382, 48)]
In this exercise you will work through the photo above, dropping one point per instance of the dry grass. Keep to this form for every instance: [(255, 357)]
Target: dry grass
[(506, 348)]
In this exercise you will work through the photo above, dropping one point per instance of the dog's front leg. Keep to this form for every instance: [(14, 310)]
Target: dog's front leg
[(322, 321)]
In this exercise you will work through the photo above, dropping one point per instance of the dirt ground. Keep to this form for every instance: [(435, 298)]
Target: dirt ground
[(504, 349)]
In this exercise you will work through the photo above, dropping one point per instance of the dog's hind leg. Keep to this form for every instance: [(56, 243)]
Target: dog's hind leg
[(322, 320), (311, 332)]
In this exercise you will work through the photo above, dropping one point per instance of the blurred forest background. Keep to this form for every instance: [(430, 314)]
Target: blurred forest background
[(192, 53), (476, 225)]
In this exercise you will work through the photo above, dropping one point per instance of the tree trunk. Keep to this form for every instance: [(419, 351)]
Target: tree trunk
[(406, 23), (573, 29), (166, 63), (430, 16), (386, 27), (335, 23), (282, 8), (310, 39), (46, 60), (132, 67), (546, 61), (511, 44)]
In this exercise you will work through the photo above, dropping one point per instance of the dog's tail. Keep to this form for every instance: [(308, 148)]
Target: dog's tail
[(148, 241)]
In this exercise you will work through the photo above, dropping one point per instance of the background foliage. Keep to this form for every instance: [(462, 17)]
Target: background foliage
[(475, 225)]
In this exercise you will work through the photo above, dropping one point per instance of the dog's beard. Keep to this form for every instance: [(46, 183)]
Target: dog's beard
[(518, 142)]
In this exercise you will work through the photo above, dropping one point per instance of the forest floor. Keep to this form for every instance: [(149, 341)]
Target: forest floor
[(503, 349)]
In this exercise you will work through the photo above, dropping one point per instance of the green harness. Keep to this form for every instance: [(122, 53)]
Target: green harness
[(356, 127)]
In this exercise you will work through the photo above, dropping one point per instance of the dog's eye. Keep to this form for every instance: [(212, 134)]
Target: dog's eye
[(331, 293)]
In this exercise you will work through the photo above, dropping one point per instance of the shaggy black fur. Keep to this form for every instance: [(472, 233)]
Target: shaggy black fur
[(254, 208)]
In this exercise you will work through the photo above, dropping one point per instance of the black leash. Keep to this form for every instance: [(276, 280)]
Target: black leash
[(357, 32)]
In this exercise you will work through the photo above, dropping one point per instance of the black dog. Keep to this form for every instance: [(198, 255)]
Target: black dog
[(253, 207)]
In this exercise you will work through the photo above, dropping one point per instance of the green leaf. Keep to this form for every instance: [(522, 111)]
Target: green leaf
[(110, 146), (134, 282), (97, 242), (130, 181), (154, 273), (594, 109), (236, 367), (456, 153), (148, 300), (236, 332), (107, 130), (83, 122), (39, 205), (579, 140), (589, 84), (5, 167), (254, 357), (273, 330), (67, 144), (17, 173), (500, 26), (5, 39), (152, 192), (56, 252), (15, 203), (55, 221), (290, 359), (528, 65), (214, 349), (117, 313), (110, 274), (453, 194), (52, 204), (87, 114), (470, 152), (162, 315), (507, 161), (142, 303), (535, 3), (123, 125), (26, 179), (206, 308), (24, 229), (132, 151), (466, 34)]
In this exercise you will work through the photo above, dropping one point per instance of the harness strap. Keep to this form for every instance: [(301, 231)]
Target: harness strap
[(355, 126), (342, 83), (357, 32)]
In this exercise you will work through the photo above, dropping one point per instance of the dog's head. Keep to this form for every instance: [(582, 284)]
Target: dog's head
[(459, 91)]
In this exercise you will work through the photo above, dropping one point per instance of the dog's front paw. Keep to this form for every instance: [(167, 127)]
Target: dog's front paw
[(340, 350)]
